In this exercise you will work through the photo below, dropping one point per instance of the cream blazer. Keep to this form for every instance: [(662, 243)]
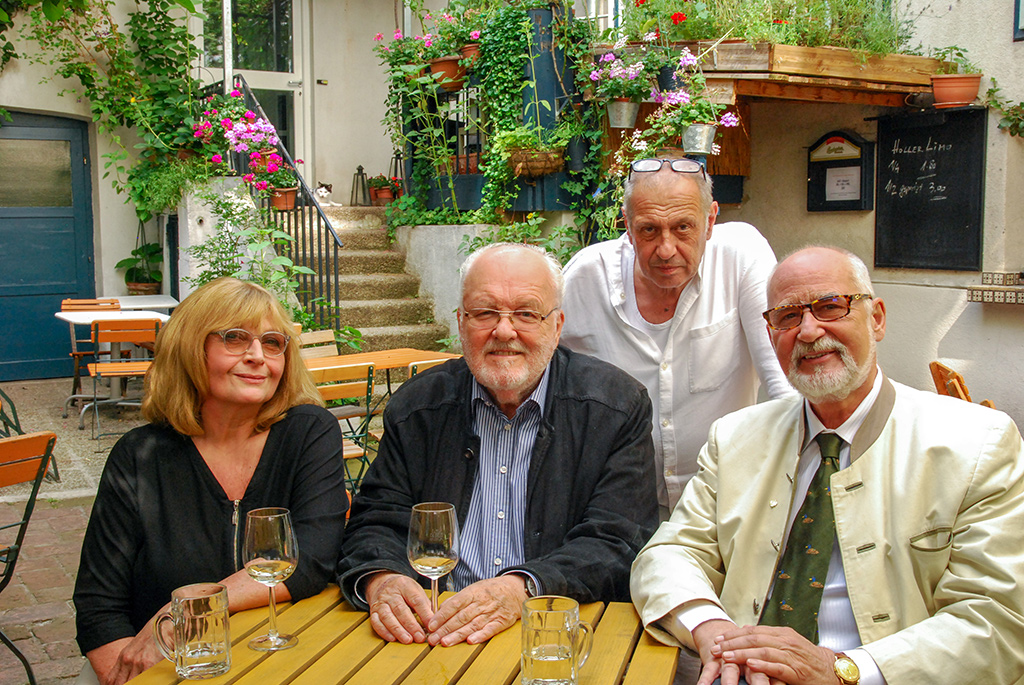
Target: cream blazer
[(929, 519)]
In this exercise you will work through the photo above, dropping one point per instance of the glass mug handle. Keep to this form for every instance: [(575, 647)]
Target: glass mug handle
[(158, 636), (584, 641)]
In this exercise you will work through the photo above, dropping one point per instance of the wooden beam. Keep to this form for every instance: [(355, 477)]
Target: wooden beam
[(815, 93)]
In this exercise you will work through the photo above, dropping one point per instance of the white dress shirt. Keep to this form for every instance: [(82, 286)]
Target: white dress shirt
[(717, 345)]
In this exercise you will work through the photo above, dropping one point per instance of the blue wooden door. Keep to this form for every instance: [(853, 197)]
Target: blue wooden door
[(46, 251)]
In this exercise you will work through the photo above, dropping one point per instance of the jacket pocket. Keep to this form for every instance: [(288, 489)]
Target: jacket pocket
[(934, 540), (715, 351)]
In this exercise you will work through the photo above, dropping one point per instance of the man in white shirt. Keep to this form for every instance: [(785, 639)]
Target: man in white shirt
[(923, 581), (678, 308)]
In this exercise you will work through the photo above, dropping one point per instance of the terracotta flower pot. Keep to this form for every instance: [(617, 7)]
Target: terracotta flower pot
[(452, 73), (471, 52), (143, 288), (384, 196), (283, 198), (955, 90)]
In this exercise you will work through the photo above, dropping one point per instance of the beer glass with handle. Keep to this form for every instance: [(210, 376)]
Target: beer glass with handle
[(270, 555), (433, 542)]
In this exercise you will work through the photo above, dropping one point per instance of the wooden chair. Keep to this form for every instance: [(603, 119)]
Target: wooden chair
[(417, 367), (82, 347), (317, 344), (949, 382), (10, 426), (351, 381), (23, 459), (116, 333)]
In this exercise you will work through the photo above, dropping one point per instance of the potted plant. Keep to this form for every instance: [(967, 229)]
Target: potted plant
[(529, 151), (381, 189), (142, 270), (270, 173), (958, 79), (624, 80)]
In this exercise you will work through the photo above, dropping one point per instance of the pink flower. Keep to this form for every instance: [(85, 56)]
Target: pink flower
[(271, 167), (198, 133), (398, 35), (216, 159), (249, 178), (298, 161), (427, 42), (474, 35), (729, 119), (261, 185), (687, 58), (226, 123), (235, 93), (250, 115), (379, 37), (595, 75), (254, 156), (608, 57)]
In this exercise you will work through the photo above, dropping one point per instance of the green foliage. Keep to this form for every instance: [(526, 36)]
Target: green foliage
[(344, 335), (1011, 114), (144, 264), (245, 245), (561, 241), (954, 61), (158, 186)]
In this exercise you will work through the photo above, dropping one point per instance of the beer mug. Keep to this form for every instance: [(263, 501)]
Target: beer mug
[(199, 617), (555, 642)]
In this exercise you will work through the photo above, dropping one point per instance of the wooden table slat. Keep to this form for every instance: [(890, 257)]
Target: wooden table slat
[(653, 663), (314, 642), (390, 665), (444, 665), (614, 638), (381, 360), (343, 660)]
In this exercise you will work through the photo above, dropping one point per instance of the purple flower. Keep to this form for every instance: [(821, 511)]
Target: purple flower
[(595, 75), (687, 58), (729, 119), (608, 57)]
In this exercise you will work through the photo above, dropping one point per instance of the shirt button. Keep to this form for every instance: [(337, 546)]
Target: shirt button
[(664, 366), (622, 296), (497, 561), (503, 469), (664, 423), (508, 426), (501, 514)]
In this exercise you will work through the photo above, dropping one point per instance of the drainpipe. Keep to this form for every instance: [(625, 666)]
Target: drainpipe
[(228, 47)]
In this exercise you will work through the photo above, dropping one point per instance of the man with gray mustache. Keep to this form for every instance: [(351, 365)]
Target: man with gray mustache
[(545, 453), (866, 533)]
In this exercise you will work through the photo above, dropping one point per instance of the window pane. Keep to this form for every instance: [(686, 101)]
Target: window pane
[(35, 173), (262, 34), (279, 107)]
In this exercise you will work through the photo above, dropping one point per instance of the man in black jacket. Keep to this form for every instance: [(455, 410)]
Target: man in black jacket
[(546, 455)]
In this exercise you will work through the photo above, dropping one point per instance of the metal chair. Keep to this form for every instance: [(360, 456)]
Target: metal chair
[(23, 459), (83, 347), (351, 381)]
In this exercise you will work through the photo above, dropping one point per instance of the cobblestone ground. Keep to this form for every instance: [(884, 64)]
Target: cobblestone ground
[(35, 609)]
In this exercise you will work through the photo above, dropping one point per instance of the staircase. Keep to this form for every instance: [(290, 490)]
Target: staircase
[(377, 296)]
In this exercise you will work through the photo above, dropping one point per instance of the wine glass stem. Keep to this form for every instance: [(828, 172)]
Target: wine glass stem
[(433, 593), (273, 615)]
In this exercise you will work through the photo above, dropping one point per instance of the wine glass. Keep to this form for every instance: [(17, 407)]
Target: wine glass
[(270, 555), (433, 542)]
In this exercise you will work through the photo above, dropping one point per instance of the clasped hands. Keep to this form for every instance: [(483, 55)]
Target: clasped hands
[(763, 655), (400, 610)]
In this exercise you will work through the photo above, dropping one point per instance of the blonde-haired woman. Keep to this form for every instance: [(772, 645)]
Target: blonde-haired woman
[(236, 424)]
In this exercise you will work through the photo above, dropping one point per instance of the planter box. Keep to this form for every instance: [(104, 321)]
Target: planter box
[(741, 57)]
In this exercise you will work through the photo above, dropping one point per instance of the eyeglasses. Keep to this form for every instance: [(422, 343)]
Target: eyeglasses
[(238, 341), (830, 308), (683, 166), (521, 319)]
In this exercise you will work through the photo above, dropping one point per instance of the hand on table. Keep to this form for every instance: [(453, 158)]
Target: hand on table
[(121, 660), (774, 655), (479, 611), (395, 602)]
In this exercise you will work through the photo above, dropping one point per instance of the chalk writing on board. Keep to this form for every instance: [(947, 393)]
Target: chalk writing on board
[(923, 185)]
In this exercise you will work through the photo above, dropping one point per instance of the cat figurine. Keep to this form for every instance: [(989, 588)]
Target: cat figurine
[(323, 195)]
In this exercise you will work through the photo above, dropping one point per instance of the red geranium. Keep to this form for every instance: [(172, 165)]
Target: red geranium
[(639, 2), (678, 18)]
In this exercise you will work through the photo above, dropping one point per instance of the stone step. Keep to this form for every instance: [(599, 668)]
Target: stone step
[(385, 312), (355, 262), (375, 286), (355, 217), (421, 337), (363, 238)]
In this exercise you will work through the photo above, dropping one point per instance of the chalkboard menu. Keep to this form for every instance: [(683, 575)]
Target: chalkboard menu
[(931, 172)]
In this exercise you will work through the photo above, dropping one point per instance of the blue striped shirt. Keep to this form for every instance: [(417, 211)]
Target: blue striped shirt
[(492, 539)]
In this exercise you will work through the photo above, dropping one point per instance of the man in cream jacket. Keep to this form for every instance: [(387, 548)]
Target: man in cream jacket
[(926, 577)]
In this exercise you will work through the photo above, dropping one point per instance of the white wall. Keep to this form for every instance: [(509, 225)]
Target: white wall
[(929, 316)]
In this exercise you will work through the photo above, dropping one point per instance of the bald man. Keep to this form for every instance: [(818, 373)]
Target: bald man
[(677, 306)]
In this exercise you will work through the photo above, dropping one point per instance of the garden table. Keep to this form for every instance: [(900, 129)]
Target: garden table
[(337, 645), (398, 358)]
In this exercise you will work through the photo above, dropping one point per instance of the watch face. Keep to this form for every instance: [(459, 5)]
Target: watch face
[(846, 669)]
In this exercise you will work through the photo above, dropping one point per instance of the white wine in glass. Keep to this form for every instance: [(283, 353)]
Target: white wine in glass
[(433, 542), (270, 555)]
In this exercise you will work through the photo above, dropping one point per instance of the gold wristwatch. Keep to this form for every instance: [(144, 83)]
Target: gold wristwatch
[(846, 670)]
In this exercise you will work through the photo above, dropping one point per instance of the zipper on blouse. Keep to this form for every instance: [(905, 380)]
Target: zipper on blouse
[(234, 522)]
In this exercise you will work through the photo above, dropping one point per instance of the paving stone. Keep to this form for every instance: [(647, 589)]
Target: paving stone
[(62, 649), (35, 613), (13, 597), (59, 668), (44, 579), (57, 630), (16, 631)]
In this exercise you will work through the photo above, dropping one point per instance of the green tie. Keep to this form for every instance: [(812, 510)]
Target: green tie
[(804, 565)]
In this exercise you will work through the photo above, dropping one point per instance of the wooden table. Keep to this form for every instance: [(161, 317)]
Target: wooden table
[(384, 359), (337, 645)]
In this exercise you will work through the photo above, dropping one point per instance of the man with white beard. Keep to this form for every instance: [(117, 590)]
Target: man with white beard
[(545, 453), (865, 533)]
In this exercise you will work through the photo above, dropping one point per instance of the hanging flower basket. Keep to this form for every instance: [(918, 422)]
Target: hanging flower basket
[(534, 163), (452, 73), (699, 139), (283, 198), (622, 113)]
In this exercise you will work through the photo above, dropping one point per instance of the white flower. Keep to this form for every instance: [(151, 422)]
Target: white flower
[(650, 37), (716, 148), (620, 43)]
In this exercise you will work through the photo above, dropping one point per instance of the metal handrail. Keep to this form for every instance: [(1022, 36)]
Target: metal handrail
[(315, 243)]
